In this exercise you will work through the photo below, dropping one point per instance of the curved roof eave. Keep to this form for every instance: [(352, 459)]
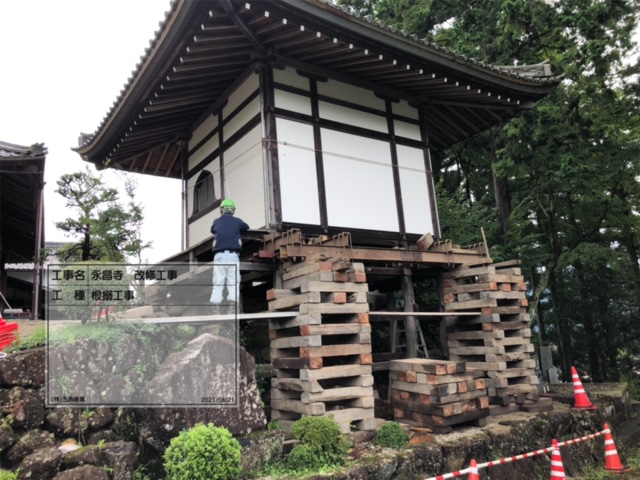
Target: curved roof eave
[(179, 19), (421, 49), (152, 63)]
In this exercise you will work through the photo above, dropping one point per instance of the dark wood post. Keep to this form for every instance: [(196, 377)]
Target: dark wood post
[(411, 331)]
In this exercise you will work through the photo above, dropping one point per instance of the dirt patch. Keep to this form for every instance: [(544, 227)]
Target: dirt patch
[(27, 327)]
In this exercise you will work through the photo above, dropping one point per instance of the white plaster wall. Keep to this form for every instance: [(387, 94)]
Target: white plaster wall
[(243, 184), (349, 93), (202, 130), (200, 229), (293, 102), (403, 108), (407, 130), (359, 182), (196, 157), (244, 178), (249, 86), (290, 77), (297, 168), (349, 116), (242, 118), (415, 192)]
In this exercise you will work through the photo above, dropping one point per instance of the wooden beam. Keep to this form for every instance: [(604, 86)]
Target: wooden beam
[(411, 325), (385, 255), (482, 106), (420, 314)]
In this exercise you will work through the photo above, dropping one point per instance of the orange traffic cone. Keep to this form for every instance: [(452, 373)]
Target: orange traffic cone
[(557, 468), (611, 459), (581, 399), (473, 474)]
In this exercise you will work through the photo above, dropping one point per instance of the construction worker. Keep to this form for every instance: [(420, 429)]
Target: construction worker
[(227, 244)]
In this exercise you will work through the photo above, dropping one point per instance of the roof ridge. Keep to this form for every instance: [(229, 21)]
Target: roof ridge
[(34, 150)]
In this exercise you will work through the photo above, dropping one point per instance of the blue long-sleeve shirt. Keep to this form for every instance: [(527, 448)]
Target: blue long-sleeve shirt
[(227, 230)]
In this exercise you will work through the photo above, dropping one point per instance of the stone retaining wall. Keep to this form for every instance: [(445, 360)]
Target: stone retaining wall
[(117, 441), (442, 454), (120, 441)]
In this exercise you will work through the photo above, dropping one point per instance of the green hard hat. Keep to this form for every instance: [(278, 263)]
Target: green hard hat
[(227, 202)]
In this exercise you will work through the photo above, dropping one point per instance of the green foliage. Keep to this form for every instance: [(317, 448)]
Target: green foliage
[(321, 444), (141, 473), (633, 381), (274, 425), (37, 338), (7, 475), (106, 228), (632, 460), (391, 435), (555, 187), (111, 334), (304, 457), (204, 452), (461, 219)]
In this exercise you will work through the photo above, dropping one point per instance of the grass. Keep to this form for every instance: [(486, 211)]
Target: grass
[(101, 332), (632, 460), (281, 471), (36, 339)]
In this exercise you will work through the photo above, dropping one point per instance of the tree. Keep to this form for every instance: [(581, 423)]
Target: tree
[(561, 178), (106, 229)]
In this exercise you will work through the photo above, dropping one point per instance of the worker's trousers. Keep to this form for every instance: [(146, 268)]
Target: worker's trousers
[(226, 271)]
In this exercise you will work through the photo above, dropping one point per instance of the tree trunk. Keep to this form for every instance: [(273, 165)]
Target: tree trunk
[(501, 190), (86, 248), (537, 310), (629, 243), (632, 251), (589, 327), (564, 337)]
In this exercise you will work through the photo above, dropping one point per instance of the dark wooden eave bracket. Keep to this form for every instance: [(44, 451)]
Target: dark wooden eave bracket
[(228, 8), (292, 245)]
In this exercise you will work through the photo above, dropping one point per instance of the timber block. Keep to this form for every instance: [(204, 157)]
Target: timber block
[(426, 365), (541, 405)]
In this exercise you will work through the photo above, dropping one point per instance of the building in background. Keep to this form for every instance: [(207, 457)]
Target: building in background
[(21, 228)]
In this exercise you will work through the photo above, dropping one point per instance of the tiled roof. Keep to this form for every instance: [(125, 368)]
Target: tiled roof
[(10, 150), (182, 73), (544, 77)]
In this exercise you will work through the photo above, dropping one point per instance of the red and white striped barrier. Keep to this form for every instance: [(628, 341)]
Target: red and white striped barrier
[(502, 461)]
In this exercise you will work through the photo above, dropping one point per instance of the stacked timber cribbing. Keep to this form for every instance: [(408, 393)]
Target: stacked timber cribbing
[(498, 340), (322, 357), (438, 394)]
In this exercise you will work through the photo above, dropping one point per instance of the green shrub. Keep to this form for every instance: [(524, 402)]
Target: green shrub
[(304, 458), (274, 425), (391, 435), (633, 384), (7, 475), (321, 444), (204, 452)]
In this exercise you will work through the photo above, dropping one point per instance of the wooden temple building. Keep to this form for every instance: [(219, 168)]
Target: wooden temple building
[(21, 228), (320, 124)]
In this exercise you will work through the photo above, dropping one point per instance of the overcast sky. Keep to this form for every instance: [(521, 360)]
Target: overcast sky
[(63, 65)]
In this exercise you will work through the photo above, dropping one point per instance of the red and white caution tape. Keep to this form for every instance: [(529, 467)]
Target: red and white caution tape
[(502, 461)]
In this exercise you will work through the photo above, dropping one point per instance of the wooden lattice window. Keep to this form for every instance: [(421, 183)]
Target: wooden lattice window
[(204, 193)]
